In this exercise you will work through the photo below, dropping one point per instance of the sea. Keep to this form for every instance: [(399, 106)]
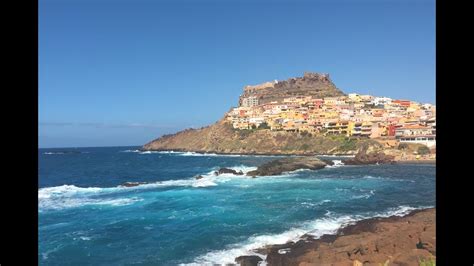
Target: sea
[(86, 216)]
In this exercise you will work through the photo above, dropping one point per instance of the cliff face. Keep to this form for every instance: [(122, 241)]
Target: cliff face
[(222, 138), (311, 84)]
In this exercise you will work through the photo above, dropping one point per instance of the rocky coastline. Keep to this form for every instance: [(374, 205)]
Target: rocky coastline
[(376, 241)]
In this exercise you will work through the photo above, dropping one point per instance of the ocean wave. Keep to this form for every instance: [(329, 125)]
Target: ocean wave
[(63, 152), (130, 151), (64, 203), (388, 178), (201, 154), (311, 204), (329, 224), (69, 196), (364, 196)]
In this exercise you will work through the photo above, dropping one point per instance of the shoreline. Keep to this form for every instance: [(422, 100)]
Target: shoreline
[(398, 239), (420, 161), (251, 153), (415, 162)]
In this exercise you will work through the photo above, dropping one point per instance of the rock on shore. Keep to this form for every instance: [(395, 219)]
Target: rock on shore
[(364, 156), (248, 260), (279, 166), (227, 171), (133, 184)]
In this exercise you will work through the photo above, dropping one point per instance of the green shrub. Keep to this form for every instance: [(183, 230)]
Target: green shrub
[(428, 262), (402, 146), (348, 144), (304, 146), (422, 150), (264, 125)]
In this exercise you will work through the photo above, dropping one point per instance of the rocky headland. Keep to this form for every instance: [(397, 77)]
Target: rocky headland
[(222, 138)]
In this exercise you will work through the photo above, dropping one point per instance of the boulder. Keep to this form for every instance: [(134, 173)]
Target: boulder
[(133, 184), (198, 177), (228, 171), (248, 260)]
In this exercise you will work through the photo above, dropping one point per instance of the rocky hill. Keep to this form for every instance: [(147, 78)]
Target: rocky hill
[(311, 84), (221, 137)]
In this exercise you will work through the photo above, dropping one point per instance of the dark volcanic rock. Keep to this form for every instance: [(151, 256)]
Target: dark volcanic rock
[(279, 166), (248, 260), (228, 171), (328, 162), (198, 177), (133, 184)]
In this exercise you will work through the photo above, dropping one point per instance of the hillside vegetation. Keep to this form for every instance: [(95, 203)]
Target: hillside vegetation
[(222, 138)]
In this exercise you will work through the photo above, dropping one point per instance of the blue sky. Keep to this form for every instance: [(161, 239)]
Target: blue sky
[(124, 72)]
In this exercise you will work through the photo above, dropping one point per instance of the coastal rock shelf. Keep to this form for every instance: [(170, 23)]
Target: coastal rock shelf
[(398, 240)]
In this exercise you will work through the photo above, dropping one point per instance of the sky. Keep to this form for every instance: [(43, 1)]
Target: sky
[(124, 72)]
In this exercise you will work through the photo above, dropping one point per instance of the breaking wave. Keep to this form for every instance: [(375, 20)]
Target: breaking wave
[(70, 196), (63, 152), (365, 195), (337, 163), (387, 178), (198, 154), (130, 151)]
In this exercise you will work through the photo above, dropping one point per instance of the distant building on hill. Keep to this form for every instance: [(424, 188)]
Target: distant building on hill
[(249, 101)]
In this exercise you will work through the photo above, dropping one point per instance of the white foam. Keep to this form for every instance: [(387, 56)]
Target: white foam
[(337, 163), (388, 179), (327, 225), (130, 151), (69, 196), (197, 154), (364, 196), (311, 204), (65, 190), (203, 183), (63, 203)]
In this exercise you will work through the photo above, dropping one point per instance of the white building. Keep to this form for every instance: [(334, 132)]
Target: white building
[(428, 140), (250, 101), (381, 100)]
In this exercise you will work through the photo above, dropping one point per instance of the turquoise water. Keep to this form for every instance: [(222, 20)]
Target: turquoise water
[(86, 218)]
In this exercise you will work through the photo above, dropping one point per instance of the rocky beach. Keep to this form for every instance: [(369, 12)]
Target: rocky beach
[(394, 240)]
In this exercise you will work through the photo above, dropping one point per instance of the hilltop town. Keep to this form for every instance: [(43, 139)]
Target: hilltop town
[(309, 115), (351, 115)]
